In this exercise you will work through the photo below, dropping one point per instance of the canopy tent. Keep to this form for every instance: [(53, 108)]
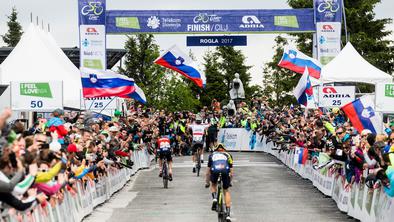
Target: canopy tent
[(37, 57), (350, 66)]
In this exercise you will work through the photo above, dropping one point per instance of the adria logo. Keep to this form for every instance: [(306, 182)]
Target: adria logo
[(91, 29), (327, 27), (329, 90)]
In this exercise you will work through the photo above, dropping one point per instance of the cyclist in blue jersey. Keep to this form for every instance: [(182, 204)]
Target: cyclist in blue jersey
[(220, 162)]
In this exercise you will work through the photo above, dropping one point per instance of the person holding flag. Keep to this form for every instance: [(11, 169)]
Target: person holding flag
[(304, 91)]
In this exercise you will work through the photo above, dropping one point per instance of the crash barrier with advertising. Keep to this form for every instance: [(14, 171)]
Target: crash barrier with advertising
[(384, 98), (357, 200), (88, 195), (336, 96), (36, 96)]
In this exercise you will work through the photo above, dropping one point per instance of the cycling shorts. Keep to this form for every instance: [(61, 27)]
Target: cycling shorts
[(225, 178), (165, 154), (196, 146)]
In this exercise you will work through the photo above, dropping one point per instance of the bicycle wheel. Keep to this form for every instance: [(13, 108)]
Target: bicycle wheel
[(198, 167), (165, 175)]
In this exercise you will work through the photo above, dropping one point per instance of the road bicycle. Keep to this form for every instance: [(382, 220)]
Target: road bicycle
[(164, 172), (94, 7), (328, 5), (221, 203)]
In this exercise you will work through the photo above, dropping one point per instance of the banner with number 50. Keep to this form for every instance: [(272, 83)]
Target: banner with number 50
[(36, 96)]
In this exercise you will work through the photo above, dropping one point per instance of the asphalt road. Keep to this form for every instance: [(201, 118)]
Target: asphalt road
[(263, 190)]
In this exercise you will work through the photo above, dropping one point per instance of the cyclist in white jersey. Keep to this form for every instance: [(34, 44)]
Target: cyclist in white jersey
[(198, 132)]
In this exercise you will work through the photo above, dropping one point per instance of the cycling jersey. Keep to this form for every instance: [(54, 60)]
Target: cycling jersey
[(164, 144), (198, 133), (164, 148), (220, 162)]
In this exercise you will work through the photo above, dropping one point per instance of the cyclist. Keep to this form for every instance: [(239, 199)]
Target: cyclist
[(220, 162), (198, 132), (164, 151)]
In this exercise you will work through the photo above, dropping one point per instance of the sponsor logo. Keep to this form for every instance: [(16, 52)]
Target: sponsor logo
[(171, 23), (35, 89), (327, 28), (329, 51), (86, 43), (290, 21), (93, 10), (91, 31), (389, 90), (127, 22), (251, 22), (205, 18), (324, 40), (368, 112), (153, 22), (330, 92), (92, 53)]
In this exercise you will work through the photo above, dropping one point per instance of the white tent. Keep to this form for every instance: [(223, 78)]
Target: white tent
[(350, 66), (37, 57)]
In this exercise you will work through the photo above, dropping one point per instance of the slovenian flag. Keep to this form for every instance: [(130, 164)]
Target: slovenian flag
[(301, 155), (96, 83), (362, 115), (178, 61), (304, 91), (138, 95), (296, 61)]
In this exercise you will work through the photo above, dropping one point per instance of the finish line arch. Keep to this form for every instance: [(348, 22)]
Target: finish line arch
[(95, 22)]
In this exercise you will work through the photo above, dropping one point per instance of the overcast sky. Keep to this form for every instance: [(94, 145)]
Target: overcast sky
[(63, 18)]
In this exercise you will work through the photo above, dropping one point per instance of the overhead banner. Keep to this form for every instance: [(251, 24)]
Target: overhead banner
[(36, 96), (328, 17), (336, 96), (384, 97), (92, 17), (210, 21)]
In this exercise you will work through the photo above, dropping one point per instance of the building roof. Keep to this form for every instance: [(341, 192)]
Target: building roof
[(113, 55)]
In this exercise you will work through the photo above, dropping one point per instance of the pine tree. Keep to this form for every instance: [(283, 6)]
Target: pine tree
[(216, 87), (12, 37)]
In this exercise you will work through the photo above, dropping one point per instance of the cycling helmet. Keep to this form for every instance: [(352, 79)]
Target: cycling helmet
[(220, 145), (198, 119)]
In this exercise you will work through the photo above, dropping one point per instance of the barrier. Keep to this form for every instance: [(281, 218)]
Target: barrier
[(75, 207), (358, 201)]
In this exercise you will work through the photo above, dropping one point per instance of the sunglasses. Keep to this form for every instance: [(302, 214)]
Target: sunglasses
[(339, 133)]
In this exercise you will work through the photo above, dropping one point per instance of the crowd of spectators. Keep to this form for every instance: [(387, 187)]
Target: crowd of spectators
[(332, 142), (38, 164)]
